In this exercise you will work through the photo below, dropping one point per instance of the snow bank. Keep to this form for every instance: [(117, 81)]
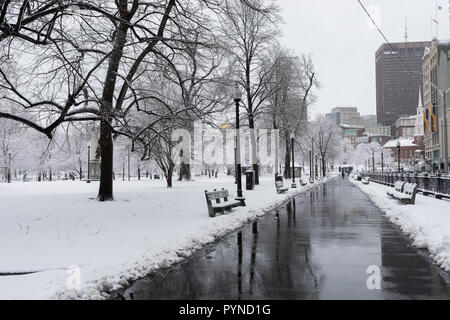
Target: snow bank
[(427, 222), (57, 229)]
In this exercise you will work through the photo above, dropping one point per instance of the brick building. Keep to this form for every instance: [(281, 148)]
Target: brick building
[(407, 149)]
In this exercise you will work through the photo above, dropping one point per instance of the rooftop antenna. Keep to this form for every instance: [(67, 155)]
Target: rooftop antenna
[(406, 31), (437, 7), (406, 41)]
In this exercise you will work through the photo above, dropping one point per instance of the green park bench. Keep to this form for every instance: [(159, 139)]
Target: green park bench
[(280, 188), (405, 192), (303, 181), (213, 200)]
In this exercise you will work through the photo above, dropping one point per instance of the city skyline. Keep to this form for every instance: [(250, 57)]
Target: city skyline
[(338, 26)]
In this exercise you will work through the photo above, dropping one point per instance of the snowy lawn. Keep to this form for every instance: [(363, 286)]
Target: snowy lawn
[(427, 222), (51, 226)]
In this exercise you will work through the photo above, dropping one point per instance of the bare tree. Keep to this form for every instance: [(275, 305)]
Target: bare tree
[(326, 137), (88, 71), (248, 33), (292, 81)]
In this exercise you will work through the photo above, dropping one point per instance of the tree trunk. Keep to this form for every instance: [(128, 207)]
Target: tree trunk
[(169, 176), (105, 192), (185, 171), (287, 161)]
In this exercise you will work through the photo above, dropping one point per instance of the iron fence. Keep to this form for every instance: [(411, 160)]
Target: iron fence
[(427, 184)]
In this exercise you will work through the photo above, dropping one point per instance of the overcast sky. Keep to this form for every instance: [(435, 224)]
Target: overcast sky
[(337, 34)]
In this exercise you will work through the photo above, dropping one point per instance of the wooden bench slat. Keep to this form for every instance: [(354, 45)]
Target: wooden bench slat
[(217, 194), (280, 188), (405, 192), (218, 205)]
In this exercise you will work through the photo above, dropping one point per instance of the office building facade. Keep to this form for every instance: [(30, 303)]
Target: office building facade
[(398, 79)]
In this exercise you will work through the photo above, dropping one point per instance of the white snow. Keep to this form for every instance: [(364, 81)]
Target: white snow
[(51, 226), (427, 222)]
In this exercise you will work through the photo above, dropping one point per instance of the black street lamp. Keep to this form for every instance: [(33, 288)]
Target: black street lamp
[(237, 99), (8, 177), (382, 161), (398, 155), (89, 165), (316, 167), (373, 160), (129, 174), (310, 164), (293, 161), (235, 162)]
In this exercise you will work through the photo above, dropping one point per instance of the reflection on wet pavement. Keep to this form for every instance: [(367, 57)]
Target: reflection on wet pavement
[(318, 246)]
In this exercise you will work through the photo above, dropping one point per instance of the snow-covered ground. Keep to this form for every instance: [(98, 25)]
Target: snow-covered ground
[(58, 229), (427, 222)]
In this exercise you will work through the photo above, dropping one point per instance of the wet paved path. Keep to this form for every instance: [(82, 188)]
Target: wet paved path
[(319, 246)]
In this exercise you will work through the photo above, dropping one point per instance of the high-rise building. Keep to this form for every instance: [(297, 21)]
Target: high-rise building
[(398, 78), (369, 120), (345, 115)]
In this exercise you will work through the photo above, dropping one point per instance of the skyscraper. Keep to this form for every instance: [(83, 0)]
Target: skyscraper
[(398, 79)]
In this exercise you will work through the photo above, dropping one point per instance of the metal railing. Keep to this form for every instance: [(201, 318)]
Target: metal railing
[(436, 185)]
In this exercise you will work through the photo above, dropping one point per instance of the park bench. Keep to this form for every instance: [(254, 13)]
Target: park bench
[(280, 187), (366, 180), (405, 192), (398, 188), (303, 181), (215, 205)]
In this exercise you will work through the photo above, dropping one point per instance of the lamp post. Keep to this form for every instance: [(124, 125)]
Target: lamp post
[(293, 161), (310, 164), (8, 176), (398, 154), (89, 164), (237, 99), (312, 159), (373, 160), (444, 131), (129, 174), (235, 162), (316, 167), (382, 161)]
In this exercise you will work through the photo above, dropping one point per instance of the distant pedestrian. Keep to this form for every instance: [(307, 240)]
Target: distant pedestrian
[(343, 174)]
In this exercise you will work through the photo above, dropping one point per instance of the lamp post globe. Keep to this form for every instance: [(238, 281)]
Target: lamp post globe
[(237, 93)]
